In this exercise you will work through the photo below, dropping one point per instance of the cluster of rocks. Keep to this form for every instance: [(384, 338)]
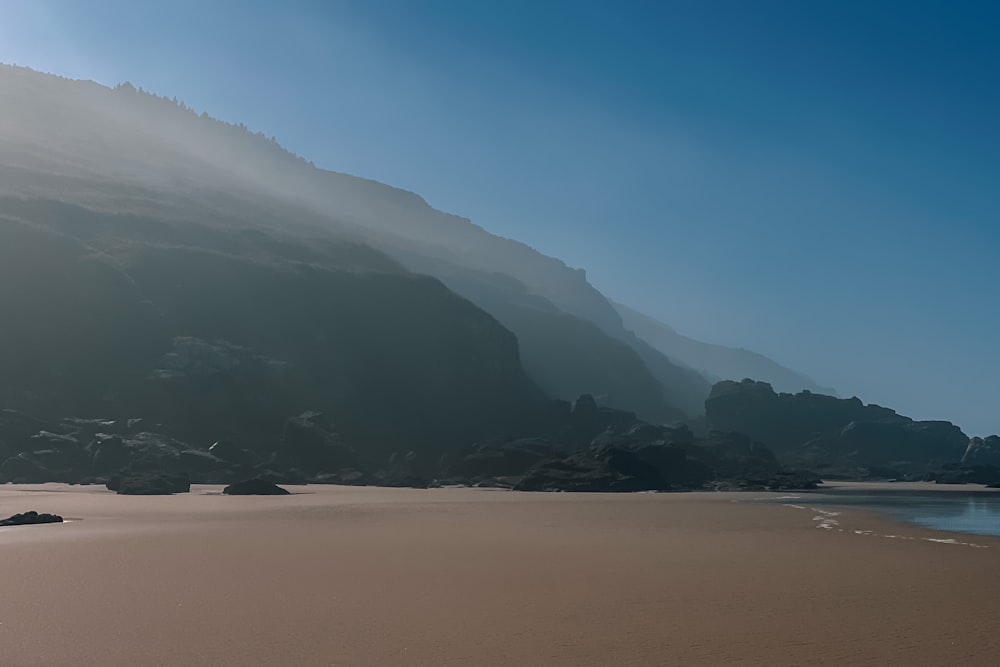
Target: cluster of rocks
[(640, 457), (576, 447)]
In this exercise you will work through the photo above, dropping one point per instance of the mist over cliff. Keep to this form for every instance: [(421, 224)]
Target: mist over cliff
[(123, 151), (716, 362)]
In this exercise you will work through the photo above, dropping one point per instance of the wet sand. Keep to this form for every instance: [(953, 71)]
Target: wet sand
[(362, 576)]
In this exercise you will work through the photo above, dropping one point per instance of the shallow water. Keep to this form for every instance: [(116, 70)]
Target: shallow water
[(972, 512)]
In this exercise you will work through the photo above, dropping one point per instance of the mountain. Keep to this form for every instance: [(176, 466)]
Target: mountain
[(715, 362), (125, 152)]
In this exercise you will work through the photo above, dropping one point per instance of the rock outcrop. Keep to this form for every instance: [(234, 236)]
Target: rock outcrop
[(836, 437), (30, 519), (255, 487)]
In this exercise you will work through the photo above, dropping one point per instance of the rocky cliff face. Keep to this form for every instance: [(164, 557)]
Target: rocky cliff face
[(833, 436), (222, 334)]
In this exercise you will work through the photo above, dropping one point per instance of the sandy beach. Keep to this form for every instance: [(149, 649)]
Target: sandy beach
[(366, 576)]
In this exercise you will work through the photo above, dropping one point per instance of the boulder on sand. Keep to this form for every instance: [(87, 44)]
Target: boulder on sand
[(255, 487), (30, 519)]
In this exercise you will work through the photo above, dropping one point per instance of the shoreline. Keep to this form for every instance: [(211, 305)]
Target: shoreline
[(364, 494)]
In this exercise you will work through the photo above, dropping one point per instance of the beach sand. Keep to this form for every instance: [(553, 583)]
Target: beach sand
[(365, 576)]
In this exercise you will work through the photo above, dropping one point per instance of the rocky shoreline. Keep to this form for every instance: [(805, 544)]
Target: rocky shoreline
[(583, 448), (795, 442)]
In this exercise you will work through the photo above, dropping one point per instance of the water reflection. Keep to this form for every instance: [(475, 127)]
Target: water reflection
[(977, 513), (979, 516)]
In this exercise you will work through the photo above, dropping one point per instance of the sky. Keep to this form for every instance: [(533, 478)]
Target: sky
[(818, 181)]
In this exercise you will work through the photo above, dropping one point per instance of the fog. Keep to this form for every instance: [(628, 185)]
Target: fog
[(124, 151)]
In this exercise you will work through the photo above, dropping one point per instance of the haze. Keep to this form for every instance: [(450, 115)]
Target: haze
[(816, 182)]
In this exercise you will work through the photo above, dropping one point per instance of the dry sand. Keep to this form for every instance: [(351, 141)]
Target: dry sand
[(361, 576)]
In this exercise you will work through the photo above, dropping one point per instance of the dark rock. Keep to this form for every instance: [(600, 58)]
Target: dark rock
[(149, 483), (255, 487), (30, 519)]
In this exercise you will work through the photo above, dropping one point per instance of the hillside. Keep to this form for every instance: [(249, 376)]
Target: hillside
[(223, 334), (123, 151)]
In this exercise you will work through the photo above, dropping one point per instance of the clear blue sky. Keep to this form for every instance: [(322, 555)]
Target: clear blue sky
[(818, 180)]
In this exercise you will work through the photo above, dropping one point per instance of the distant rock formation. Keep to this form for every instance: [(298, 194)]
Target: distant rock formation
[(835, 437)]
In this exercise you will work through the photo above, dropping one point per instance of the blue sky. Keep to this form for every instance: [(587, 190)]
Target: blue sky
[(815, 180)]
